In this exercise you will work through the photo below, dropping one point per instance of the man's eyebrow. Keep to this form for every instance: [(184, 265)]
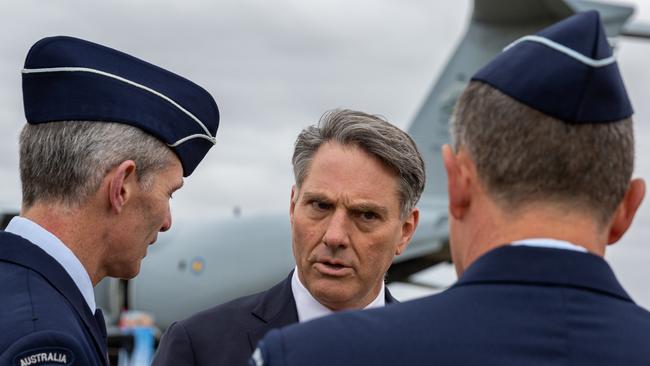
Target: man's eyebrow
[(314, 196), (369, 206)]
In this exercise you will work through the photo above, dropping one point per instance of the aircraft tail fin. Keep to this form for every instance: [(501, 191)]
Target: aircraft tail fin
[(494, 24)]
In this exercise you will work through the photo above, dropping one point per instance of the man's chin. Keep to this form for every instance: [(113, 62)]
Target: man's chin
[(126, 273), (332, 293)]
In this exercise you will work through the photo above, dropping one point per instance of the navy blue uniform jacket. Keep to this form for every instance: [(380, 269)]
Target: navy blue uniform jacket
[(514, 306), (43, 316), (227, 334)]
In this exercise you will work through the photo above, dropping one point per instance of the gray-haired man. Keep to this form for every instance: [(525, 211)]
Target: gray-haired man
[(109, 139), (352, 210)]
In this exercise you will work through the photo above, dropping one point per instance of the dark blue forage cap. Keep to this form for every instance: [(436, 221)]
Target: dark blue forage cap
[(69, 79), (566, 71)]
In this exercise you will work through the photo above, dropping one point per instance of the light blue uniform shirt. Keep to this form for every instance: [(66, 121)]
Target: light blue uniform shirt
[(55, 248), (549, 243)]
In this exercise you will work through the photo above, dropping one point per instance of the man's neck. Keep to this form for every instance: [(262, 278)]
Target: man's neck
[(74, 227), (500, 228), (577, 229)]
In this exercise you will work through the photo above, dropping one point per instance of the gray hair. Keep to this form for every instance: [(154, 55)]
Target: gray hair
[(65, 162), (392, 146), (524, 156)]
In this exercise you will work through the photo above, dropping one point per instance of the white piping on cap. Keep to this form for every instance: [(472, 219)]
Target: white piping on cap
[(208, 135), (190, 137), (566, 50)]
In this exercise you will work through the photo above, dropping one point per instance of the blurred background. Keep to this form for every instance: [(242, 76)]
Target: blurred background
[(274, 67)]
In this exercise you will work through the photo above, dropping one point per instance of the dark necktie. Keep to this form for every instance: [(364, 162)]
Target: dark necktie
[(99, 318), (101, 324)]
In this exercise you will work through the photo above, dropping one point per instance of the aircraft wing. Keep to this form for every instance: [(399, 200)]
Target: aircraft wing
[(636, 29), (520, 12)]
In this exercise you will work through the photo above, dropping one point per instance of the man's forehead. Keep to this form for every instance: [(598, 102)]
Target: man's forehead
[(334, 158), (340, 172), (172, 175)]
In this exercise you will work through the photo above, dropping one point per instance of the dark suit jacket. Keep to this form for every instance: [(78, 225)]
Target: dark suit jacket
[(514, 306), (227, 334), (42, 311)]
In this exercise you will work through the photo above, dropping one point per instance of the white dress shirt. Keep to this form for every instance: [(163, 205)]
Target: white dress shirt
[(309, 308), (56, 249), (549, 243)]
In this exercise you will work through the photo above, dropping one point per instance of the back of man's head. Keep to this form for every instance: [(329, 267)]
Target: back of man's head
[(548, 121), (526, 157), (65, 162)]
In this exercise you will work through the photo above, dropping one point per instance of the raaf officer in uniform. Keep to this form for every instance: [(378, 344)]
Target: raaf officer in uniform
[(539, 183), (109, 139)]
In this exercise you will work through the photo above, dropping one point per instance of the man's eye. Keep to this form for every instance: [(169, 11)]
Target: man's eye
[(319, 205), (369, 216)]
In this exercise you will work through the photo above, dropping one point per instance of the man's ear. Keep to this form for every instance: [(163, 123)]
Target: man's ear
[(121, 183), (626, 210), (292, 202), (458, 182), (408, 229)]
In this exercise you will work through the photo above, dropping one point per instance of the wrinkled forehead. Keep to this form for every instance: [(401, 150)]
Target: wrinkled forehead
[(347, 172)]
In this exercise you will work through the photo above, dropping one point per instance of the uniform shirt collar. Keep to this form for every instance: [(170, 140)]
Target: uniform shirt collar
[(309, 308), (55, 248), (549, 243)]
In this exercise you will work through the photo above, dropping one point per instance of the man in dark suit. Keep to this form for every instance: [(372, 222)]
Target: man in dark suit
[(539, 183), (352, 210), (109, 139)]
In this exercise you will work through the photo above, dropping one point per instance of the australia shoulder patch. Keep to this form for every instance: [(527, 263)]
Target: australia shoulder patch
[(45, 356)]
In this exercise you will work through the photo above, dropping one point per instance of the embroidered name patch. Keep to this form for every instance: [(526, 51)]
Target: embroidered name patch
[(45, 356)]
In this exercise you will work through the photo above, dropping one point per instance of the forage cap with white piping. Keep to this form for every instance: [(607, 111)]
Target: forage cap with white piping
[(70, 79), (566, 71)]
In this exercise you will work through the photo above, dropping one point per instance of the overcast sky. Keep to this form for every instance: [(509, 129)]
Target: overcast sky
[(274, 67)]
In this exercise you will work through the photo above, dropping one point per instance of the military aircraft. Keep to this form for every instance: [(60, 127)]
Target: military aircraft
[(201, 263), (207, 262)]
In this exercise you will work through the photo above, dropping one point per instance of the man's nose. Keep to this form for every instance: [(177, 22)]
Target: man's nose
[(336, 234), (167, 224)]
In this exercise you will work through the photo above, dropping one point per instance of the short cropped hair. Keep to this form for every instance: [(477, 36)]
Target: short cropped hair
[(524, 156), (374, 135), (65, 162)]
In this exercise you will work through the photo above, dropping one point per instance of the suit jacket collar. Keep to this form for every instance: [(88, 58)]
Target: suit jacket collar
[(544, 266), (277, 309), (17, 250)]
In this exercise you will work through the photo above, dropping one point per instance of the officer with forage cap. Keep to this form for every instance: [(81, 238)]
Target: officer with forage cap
[(539, 183), (109, 139)]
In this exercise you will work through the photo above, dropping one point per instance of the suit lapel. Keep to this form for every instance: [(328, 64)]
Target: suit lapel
[(276, 309), (17, 250)]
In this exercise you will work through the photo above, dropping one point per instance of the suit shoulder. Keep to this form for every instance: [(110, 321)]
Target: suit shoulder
[(216, 336), (26, 295), (224, 313), (16, 307), (47, 347)]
